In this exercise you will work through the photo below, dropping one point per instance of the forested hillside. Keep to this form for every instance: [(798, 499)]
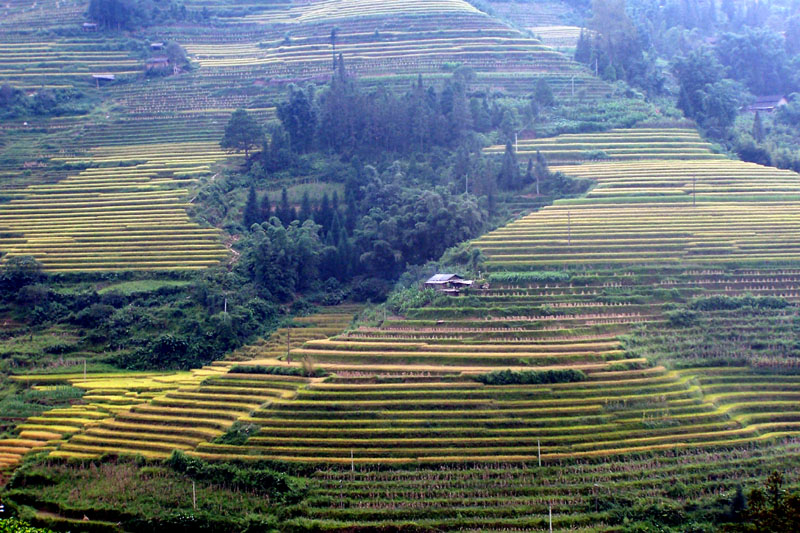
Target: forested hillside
[(217, 221)]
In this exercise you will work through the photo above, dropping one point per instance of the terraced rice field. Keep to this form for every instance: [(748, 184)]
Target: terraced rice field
[(125, 211), (65, 63), (154, 413), (558, 37), (676, 203)]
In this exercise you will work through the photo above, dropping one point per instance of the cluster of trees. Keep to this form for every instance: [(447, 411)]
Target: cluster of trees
[(383, 227), (428, 187), (53, 102), (765, 510), (347, 120), (613, 47), (132, 14), (176, 327)]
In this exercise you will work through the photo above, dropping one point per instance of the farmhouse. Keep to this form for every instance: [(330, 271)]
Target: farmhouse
[(89, 26), (156, 63), (156, 46), (767, 103), (102, 78), (448, 283)]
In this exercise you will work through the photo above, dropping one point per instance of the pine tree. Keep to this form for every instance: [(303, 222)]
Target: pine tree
[(250, 214), (583, 50), (305, 208), (758, 128), (325, 213), (540, 171), (508, 178), (543, 94), (266, 208), (285, 211)]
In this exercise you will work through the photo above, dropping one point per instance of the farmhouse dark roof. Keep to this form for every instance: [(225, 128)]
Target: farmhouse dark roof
[(444, 278), (159, 59), (767, 102), (103, 76)]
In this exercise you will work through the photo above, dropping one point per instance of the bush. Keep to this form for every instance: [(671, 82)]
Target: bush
[(277, 485), (530, 277), (530, 377), (12, 525), (681, 317), (726, 303), (279, 371)]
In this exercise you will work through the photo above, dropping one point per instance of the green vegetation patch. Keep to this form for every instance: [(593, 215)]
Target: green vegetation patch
[(129, 288), (530, 377), (180, 493)]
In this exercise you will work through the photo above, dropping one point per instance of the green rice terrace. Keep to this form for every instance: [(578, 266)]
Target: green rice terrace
[(190, 353), (543, 392)]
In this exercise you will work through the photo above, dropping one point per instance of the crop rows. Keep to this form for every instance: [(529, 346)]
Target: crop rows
[(128, 216)]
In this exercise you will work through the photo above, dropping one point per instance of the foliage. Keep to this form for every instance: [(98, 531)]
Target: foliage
[(238, 433), (253, 479), (242, 133), (757, 58), (547, 276), (722, 302), (278, 371), (769, 509), (13, 525), (530, 377), (401, 301), (15, 103), (132, 14)]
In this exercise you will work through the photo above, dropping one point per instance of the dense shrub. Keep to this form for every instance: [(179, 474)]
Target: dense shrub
[(529, 277), (278, 371), (276, 485), (530, 377), (722, 303)]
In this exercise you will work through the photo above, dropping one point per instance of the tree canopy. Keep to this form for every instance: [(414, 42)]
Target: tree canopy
[(242, 133)]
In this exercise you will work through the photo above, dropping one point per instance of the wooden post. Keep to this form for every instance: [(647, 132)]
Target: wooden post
[(352, 461), (550, 512), (194, 495), (539, 447), (84, 369)]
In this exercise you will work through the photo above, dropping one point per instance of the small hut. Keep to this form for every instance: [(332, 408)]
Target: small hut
[(767, 104), (156, 46), (89, 26), (105, 78), (155, 63), (448, 283)]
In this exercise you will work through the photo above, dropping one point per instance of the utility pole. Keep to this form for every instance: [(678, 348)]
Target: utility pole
[(550, 511), (694, 191), (466, 183), (352, 461), (573, 86), (516, 143), (194, 495), (539, 447), (84, 369), (225, 306), (595, 67)]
